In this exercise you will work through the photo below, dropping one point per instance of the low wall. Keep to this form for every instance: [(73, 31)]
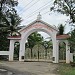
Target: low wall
[(4, 52)]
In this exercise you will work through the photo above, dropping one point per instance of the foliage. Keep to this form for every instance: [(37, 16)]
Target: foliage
[(62, 51), (6, 6), (72, 43), (16, 51), (33, 39), (9, 20), (15, 20), (66, 69), (72, 40), (47, 44), (4, 42), (61, 29), (65, 7), (9, 3)]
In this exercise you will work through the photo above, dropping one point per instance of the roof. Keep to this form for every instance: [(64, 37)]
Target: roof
[(61, 37), (58, 37), (14, 37), (36, 21)]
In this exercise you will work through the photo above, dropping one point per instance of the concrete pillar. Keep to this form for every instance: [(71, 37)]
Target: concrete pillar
[(11, 50), (67, 53), (55, 51), (22, 51), (57, 45)]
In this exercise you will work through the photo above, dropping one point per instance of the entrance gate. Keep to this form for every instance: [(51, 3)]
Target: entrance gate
[(37, 25), (38, 54)]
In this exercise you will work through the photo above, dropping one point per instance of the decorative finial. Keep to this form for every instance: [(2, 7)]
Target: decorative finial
[(39, 16)]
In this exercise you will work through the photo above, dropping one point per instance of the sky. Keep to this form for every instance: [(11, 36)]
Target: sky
[(29, 9)]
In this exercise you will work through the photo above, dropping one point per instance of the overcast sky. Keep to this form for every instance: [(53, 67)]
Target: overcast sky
[(29, 9)]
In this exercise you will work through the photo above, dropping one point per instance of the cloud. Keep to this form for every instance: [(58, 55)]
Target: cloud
[(26, 12)]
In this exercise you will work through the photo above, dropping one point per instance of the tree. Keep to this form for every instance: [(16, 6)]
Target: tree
[(65, 7), (16, 50), (8, 21), (61, 29), (8, 15), (72, 43), (15, 20), (34, 38), (72, 40), (62, 51), (47, 45), (6, 6), (4, 42), (9, 3)]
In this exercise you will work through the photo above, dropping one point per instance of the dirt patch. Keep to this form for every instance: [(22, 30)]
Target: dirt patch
[(33, 68)]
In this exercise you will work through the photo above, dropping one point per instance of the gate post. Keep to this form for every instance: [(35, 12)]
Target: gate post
[(22, 51), (55, 51), (11, 50), (67, 52)]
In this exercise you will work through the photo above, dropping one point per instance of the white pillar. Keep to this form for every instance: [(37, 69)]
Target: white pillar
[(67, 53), (11, 50), (22, 51), (55, 51)]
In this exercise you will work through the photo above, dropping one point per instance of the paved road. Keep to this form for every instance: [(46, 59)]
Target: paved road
[(30, 68)]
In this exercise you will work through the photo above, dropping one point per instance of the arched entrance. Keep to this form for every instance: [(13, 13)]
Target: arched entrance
[(38, 25), (38, 48), (13, 47), (63, 40)]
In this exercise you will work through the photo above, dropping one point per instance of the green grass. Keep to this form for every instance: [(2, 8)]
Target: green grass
[(66, 69)]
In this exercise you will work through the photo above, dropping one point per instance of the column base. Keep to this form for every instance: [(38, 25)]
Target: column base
[(10, 58), (21, 58)]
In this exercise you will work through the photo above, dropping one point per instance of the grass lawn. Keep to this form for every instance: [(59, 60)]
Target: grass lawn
[(66, 69)]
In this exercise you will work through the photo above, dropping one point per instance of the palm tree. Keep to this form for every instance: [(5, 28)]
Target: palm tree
[(15, 20), (10, 24), (8, 16), (47, 45), (8, 21)]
